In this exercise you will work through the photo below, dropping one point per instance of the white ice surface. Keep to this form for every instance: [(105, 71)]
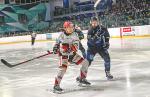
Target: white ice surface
[(130, 66)]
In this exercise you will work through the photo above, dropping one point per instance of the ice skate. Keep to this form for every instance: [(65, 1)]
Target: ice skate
[(78, 79), (108, 75), (57, 89), (83, 82)]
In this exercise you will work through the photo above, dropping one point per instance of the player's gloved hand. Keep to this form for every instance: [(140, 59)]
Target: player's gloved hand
[(106, 45), (55, 49), (77, 27)]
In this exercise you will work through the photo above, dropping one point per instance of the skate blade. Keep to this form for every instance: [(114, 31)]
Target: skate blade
[(110, 79), (58, 92), (84, 85)]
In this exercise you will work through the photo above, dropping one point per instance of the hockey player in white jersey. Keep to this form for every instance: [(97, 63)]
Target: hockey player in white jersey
[(67, 46)]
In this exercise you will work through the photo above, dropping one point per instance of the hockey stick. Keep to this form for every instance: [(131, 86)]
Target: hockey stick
[(13, 65), (95, 6)]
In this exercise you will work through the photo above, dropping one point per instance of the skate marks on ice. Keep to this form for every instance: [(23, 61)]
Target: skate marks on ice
[(78, 89), (97, 85)]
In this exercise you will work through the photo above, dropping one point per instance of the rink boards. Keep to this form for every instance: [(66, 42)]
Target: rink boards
[(120, 32)]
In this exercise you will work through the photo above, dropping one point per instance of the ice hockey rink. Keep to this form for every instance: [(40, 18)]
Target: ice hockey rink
[(130, 66)]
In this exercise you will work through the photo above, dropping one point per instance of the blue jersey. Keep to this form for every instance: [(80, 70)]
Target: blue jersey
[(97, 37)]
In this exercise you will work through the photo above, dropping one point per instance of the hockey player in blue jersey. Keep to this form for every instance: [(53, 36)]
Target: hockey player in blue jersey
[(98, 42)]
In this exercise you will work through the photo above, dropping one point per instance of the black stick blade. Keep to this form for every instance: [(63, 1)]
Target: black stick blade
[(6, 63)]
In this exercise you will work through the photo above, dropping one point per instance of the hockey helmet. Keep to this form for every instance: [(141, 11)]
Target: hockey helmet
[(67, 24)]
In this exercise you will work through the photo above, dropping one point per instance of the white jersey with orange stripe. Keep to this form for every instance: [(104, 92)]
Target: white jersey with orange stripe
[(69, 43)]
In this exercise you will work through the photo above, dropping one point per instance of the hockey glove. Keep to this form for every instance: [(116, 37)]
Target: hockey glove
[(55, 49), (106, 46)]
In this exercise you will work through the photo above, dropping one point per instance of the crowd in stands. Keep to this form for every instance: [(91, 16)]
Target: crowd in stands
[(76, 7), (123, 13)]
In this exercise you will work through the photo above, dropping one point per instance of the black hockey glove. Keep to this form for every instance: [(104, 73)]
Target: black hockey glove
[(55, 49), (106, 46)]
